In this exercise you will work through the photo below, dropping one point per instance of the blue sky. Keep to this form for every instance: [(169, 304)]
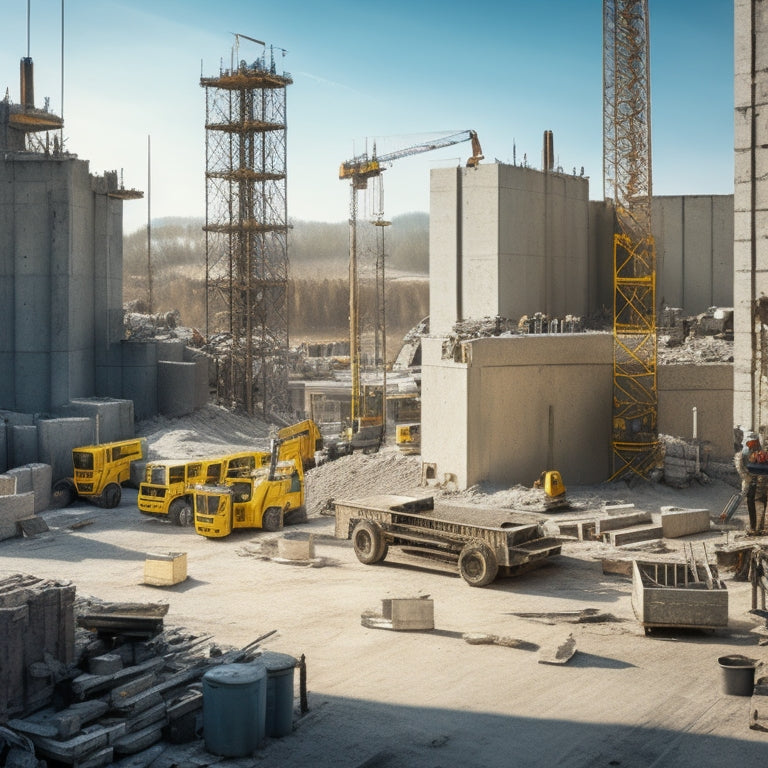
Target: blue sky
[(398, 72)]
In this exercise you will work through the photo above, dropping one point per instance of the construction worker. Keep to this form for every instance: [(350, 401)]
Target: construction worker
[(753, 486)]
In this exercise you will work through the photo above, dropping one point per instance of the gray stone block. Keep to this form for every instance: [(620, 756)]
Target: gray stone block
[(12, 509), (7, 485), (176, 388), (604, 524), (170, 351), (57, 438), (23, 477), (113, 417), (42, 481), (676, 522), (24, 445), (105, 664), (637, 533)]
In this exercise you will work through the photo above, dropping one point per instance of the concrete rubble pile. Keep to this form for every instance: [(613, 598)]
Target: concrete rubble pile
[(112, 688)]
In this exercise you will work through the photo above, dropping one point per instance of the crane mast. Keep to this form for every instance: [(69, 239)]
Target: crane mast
[(359, 170), (627, 182)]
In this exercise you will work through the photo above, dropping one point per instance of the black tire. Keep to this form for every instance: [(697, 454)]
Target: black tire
[(478, 565), (272, 520), (63, 493), (111, 495), (368, 542), (180, 512)]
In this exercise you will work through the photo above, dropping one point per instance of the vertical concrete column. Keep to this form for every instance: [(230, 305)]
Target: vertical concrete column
[(750, 258), (444, 229)]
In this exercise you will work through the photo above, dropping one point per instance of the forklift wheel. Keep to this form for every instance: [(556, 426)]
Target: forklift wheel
[(111, 495), (63, 494), (272, 519), (368, 542)]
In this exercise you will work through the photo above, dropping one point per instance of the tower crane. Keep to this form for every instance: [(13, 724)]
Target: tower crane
[(359, 170)]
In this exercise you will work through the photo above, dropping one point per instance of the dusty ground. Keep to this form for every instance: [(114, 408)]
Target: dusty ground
[(428, 699)]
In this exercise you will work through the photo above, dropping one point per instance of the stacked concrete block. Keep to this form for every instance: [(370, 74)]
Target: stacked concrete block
[(37, 626), (57, 438), (176, 382), (202, 375), (676, 522), (113, 418), (14, 508), (7, 485), (24, 442), (140, 377), (170, 351)]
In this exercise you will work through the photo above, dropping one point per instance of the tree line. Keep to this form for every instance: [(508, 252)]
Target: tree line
[(318, 287)]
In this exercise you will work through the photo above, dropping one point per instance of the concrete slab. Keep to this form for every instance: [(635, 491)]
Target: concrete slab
[(12, 509), (57, 439), (176, 388), (7, 485), (638, 533), (23, 445), (615, 522), (113, 417), (676, 522)]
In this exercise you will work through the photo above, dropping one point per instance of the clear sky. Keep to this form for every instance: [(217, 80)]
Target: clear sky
[(397, 71)]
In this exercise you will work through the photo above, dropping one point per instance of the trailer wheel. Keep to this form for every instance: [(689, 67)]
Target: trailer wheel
[(180, 512), (368, 542), (111, 495), (63, 493), (477, 564), (272, 520)]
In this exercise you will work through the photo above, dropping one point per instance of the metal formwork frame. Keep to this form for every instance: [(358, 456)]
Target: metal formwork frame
[(627, 181), (246, 225)]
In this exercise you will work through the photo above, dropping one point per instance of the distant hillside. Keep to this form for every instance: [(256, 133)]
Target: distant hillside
[(318, 272)]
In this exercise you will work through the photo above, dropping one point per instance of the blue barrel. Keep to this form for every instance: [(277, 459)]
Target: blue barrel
[(234, 707), (278, 720)]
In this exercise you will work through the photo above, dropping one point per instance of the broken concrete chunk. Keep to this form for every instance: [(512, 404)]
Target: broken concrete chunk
[(106, 664), (561, 653)]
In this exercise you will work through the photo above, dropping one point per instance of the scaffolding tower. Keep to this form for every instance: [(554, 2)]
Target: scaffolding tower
[(246, 226), (627, 182)]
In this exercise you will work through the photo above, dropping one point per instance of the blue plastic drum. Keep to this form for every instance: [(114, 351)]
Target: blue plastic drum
[(234, 708), (279, 714)]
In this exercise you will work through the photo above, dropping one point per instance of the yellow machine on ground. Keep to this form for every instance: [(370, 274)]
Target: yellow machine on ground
[(408, 437), (268, 498), (167, 490), (99, 472), (551, 482), (310, 440)]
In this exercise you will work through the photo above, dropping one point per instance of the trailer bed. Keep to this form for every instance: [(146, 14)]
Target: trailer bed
[(482, 542)]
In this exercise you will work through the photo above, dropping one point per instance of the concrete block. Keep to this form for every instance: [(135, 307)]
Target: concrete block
[(409, 612), (23, 445), (3, 447), (638, 533), (676, 522), (106, 664), (42, 475), (57, 438), (296, 548), (7, 485), (140, 377), (23, 477), (617, 509), (165, 569), (615, 522), (113, 418), (170, 351), (176, 388), (12, 509)]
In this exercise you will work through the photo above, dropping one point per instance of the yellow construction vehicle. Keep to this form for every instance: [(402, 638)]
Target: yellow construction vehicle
[(310, 440), (99, 471), (268, 498), (167, 488), (408, 437)]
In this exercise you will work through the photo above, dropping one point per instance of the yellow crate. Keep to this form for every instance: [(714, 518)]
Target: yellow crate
[(166, 568)]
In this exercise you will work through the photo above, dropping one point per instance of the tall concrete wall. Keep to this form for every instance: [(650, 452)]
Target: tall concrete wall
[(709, 389), (750, 256), (509, 241), (517, 406), (694, 251), (60, 279)]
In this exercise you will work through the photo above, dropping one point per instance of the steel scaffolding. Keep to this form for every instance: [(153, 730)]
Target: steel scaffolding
[(246, 225), (627, 182)]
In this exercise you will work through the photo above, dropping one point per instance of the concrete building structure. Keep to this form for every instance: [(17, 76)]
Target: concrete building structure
[(511, 241), (750, 254)]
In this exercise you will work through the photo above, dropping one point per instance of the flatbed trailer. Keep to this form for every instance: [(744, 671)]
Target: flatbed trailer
[(481, 549)]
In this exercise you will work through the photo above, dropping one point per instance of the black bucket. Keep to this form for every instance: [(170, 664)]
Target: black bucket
[(738, 675)]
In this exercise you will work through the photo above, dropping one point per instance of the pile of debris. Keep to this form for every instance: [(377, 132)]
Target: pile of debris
[(114, 687)]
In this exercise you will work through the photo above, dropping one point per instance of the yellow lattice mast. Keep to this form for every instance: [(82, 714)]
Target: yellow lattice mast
[(627, 182)]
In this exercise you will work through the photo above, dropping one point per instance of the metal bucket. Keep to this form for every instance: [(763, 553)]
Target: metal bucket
[(234, 706), (738, 674), (278, 720)]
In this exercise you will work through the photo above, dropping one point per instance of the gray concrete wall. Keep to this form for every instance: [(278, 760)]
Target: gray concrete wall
[(140, 377), (708, 388), (517, 406), (24, 445), (694, 251), (509, 241), (750, 256), (176, 388), (60, 279)]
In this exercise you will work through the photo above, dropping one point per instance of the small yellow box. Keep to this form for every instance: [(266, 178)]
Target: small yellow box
[(165, 569)]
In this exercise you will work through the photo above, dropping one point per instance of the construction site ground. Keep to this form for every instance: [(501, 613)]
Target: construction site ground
[(428, 698)]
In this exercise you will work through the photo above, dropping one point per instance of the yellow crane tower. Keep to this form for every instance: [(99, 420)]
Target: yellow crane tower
[(359, 170)]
